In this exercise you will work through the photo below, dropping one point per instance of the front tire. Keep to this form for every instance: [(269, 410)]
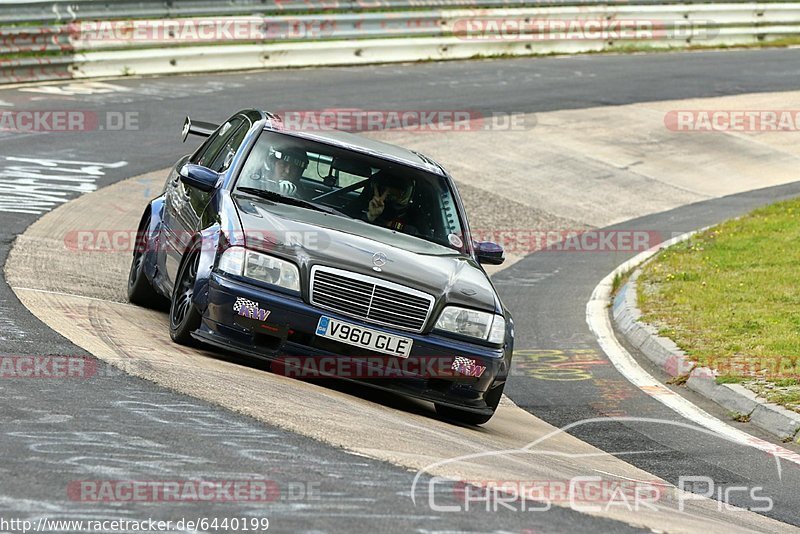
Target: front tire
[(471, 418), (140, 291), (183, 316)]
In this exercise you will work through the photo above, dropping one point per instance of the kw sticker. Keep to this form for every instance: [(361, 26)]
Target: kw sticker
[(467, 367), (250, 309), (554, 364)]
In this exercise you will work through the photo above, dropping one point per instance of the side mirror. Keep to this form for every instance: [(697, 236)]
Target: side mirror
[(199, 177), (489, 253)]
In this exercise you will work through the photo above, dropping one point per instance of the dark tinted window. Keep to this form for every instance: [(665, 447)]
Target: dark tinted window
[(208, 153), (224, 156)]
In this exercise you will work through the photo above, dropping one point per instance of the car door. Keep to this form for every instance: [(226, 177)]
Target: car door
[(185, 204)]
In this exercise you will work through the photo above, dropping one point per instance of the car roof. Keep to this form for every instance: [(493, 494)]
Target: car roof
[(358, 143)]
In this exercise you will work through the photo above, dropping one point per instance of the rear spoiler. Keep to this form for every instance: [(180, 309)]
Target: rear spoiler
[(203, 129)]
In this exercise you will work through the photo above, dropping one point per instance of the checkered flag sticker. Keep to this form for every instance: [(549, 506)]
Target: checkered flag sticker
[(459, 362), (244, 303), (467, 366)]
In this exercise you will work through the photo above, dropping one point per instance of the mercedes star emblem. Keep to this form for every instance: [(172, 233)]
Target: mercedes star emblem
[(378, 261)]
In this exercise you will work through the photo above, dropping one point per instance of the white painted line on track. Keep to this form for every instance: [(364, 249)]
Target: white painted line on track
[(599, 322)]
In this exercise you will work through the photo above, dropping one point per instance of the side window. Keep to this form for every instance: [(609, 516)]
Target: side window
[(450, 212), (319, 166), (323, 169), (225, 155), (208, 152), (346, 180)]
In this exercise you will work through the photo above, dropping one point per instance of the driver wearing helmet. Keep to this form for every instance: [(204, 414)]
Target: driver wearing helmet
[(386, 202), (287, 166)]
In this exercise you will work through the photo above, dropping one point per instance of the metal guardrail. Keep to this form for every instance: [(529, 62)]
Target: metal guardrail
[(689, 22), (62, 11), (17, 40), (36, 69), (86, 48)]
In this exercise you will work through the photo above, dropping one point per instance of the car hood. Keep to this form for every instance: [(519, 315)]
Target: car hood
[(311, 238)]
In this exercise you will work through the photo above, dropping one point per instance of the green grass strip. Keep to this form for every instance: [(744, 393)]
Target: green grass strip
[(730, 297)]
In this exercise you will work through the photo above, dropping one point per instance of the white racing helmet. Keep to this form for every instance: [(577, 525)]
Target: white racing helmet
[(291, 155)]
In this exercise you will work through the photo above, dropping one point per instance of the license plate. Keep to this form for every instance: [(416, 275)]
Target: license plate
[(364, 337)]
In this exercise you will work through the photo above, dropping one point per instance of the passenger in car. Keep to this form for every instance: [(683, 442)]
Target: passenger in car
[(386, 201)]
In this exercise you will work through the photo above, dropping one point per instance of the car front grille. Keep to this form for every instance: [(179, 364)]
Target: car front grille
[(370, 299)]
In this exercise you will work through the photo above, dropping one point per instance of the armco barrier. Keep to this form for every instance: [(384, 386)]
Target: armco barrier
[(59, 11), (28, 69), (26, 39), (126, 46)]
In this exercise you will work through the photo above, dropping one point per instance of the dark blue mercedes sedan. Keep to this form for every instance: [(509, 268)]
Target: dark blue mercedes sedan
[(330, 255)]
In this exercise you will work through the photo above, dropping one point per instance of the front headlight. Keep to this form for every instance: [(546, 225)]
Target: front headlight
[(473, 323), (261, 267)]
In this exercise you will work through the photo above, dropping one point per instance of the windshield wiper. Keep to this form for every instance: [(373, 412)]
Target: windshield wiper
[(277, 197)]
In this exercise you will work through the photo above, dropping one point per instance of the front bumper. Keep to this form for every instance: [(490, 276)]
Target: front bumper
[(286, 331)]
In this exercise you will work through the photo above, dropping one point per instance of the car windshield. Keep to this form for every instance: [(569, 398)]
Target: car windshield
[(364, 188)]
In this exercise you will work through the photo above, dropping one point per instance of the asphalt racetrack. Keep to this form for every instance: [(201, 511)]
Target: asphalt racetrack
[(344, 457)]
